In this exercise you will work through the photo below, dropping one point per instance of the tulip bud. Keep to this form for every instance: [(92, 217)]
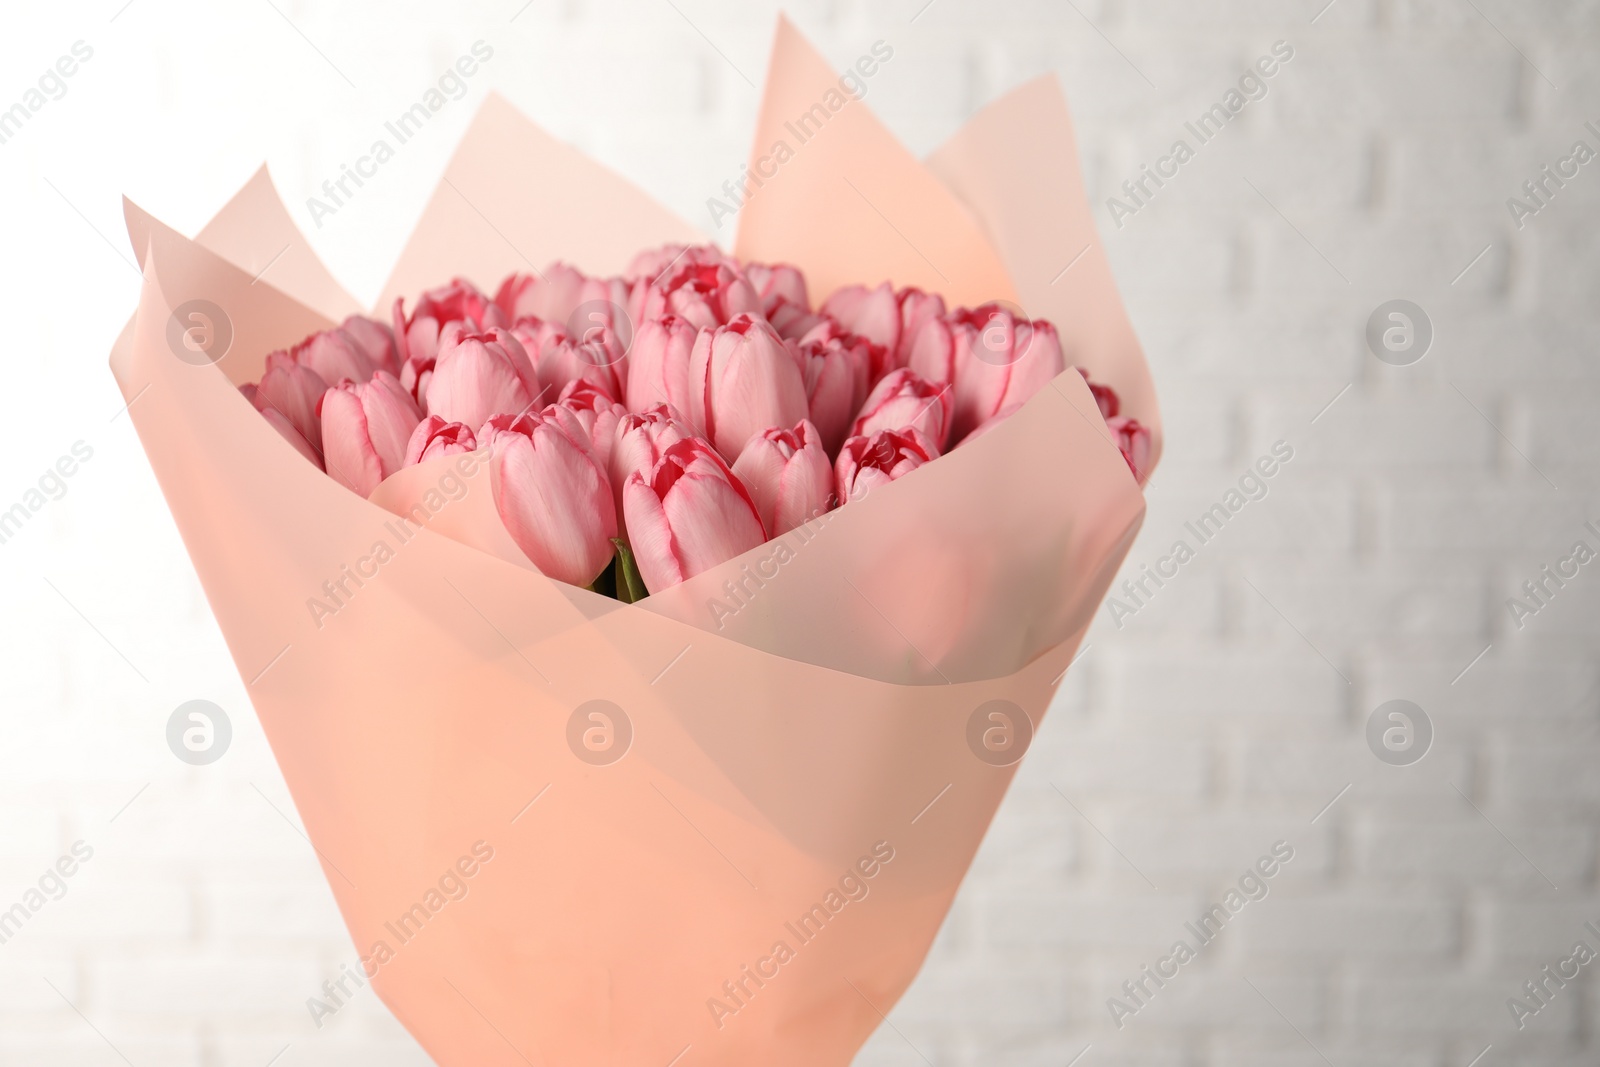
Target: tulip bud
[(598, 413), (742, 379), (285, 428), (834, 377), (933, 352), (788, 475), (435, 437), (375, 340), (690, 513), (777, 285), (867, 462), (552, 496), (336, 356), (565, 360), (658, 364), (1133, 441), (366, 427), (999, 360), (293, 391), (791, 322), (871, 313), (917, 309), (869, 358), (551, 295), (641, 438), (704, 295), (649, 266), (417, 336), (1104, 396), (478, 375), (903, 399)]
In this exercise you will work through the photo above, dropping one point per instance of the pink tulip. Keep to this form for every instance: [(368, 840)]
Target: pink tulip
[(435, 437), (551, 295), (565, 360), (742, 379), (641, 438), (777, 285), (868, 462), (917, 309), (478, 375), (1104, 396), (658, 364), (553, 496), (293, 390), (791, 322), (835, 378), (705, 295), (1133, 441), (417, 336), (336, 356), (605, 317), (999, 360), (788, 475), (649, 266), (598, 413), (690, 513), (933, 351), (871, 313), (284, 427), (535, 336), (869, 358), (905, 399), (366, 427), (375, 340)]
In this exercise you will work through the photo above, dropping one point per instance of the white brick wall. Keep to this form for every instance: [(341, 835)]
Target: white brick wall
[(1189, 740)]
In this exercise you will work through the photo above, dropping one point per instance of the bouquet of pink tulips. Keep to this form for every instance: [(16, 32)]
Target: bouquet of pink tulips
[(564, 577), (647, 427)]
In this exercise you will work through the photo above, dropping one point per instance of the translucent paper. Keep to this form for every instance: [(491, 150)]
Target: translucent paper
[(727, 821)]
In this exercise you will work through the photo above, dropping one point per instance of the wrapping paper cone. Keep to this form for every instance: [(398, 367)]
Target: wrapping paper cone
[(720, 826)]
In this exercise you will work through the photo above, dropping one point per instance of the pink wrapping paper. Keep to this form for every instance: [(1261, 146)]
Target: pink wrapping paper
[(685, 876)]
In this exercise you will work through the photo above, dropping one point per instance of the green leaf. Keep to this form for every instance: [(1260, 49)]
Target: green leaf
[(630, 587)]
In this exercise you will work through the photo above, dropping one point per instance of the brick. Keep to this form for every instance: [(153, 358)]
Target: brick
[(1085, 920), (1347, 924), (1222, 845), (1472, 853), (230, 985), (1443, 1003), (1550, 778), (1189, 689), (1529, 935)]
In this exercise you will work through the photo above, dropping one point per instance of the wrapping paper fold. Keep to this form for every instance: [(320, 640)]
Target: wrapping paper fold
[(669, 809)]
